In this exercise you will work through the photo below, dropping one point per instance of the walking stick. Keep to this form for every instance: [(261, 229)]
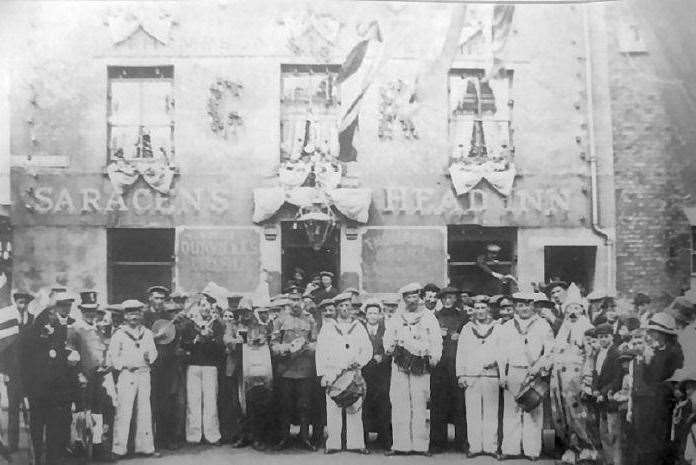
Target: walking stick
[(26, 418)]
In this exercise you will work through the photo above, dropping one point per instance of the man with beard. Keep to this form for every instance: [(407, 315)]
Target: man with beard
[(414, 339), (431, 294), (293, 343), (50, 380), (477, 372), (524, 340), (342, 346), (447, 399)]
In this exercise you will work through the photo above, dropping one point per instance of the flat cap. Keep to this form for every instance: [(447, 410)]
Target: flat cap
[(590, 332), (64, 297), (163, 289), (326, 273), (21, 294), (449, 290), (410, 288), (482, 298), (131, 305), (352, 290), (390, 300), (326, 302), (663, 323), (541, 297), (604, 328), (371, 303), (342, 297)]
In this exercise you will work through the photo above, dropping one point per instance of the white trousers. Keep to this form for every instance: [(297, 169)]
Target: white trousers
[(409, 395), (201, 404), (521, 430), (334, 425), (133, 387), (482, 414)]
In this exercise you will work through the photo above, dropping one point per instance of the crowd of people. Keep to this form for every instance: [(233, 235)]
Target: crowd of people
[(514, 374)]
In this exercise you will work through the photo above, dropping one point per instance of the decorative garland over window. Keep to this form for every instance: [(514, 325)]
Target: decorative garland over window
[(223, 119)]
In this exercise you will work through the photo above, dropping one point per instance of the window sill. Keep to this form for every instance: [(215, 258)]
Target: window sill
[(41, 161)]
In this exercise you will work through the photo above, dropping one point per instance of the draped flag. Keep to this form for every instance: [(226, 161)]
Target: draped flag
[(500, 30), (357, 73)]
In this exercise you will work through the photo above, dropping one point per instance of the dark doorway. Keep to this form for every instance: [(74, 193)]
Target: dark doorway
[(298, 253), (572, 264), (138, 259)]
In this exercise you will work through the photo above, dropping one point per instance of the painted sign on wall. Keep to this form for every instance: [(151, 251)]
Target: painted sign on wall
[(394, 257), (230, 257)]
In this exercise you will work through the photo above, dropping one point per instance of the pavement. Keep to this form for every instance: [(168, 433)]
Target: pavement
[(224, 455)]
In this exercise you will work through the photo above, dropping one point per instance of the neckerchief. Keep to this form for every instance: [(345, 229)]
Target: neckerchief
[(519, 328), (480, 336), (415, 321), (350, 329), (133, 338)]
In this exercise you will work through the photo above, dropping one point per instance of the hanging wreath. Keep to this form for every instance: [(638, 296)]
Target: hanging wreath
[(222, 119)]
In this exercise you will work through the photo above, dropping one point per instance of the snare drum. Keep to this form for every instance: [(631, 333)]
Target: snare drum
[(532, 393)]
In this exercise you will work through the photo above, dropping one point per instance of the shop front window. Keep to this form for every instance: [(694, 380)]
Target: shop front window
[(140, 124), (138, 259), (481, 260)]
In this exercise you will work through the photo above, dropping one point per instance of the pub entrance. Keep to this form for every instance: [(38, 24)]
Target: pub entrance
[(298, 253)]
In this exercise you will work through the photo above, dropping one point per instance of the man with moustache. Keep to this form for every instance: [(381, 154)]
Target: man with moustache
[(414, 339), (524, 340), (293, 343), (447, 399), (431, 295)]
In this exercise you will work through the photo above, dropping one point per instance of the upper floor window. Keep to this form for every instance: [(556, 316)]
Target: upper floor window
[(140, 124), (479, 114), (309, 111)]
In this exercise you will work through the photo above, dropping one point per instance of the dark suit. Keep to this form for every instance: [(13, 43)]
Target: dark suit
[(15, 392), (377, 408), (51, 385), (321, 294)]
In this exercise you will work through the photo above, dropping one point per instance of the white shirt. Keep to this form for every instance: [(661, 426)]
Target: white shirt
[(372, 329), (476, 349), (129, 346), (601, 357), (418, 332)]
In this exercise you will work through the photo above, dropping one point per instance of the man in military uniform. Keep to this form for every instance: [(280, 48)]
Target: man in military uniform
[(447, 399), (12, 369), (525, 338), (50, 379), (415, 340), (132, 351), (88, 338), (293, 342)]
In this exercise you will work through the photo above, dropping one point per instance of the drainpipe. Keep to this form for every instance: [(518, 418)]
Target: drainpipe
[(596, 228)]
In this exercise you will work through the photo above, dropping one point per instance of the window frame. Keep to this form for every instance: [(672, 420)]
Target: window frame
[(143, 74)]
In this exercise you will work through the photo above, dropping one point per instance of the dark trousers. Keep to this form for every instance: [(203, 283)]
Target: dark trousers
[(55, 421), (446, 406), (295, 396), (318, 411), (14, 400), (376, 410), (258, 404), (229, 410), (163, 399)]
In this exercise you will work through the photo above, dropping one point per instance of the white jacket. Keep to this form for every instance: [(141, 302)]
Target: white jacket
[(477, 349), (418, 332), (339, 345)]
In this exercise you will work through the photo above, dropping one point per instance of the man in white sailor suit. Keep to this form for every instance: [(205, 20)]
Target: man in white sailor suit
[(132, 351), (477, 373), (523, 341), (343, 344)]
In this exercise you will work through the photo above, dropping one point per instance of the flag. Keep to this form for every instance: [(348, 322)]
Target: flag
[(355, 78), (9, 327)]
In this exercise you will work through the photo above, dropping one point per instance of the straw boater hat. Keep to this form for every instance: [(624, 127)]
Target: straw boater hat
[(411, 288), (523, 297), (371, 303), (662, 323)]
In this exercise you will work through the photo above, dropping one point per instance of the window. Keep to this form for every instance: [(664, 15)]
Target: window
[(138, 259), (693, 252), (572, 264), (140, 122), (467, 249), (309, 111), (479, 114)]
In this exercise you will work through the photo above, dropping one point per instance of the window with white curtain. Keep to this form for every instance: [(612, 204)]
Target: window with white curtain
[(479, 113), (309, 105), (140, 122)]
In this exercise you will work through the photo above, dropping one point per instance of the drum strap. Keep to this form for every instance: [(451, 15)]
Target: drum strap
[(524, 333)]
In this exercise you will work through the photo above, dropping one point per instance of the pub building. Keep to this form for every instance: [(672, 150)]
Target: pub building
[(191, 142)]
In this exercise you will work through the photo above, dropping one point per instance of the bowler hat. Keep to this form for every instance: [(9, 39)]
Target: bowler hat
[(604, 328), (449, 290), (326, 273), (22, 295)]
